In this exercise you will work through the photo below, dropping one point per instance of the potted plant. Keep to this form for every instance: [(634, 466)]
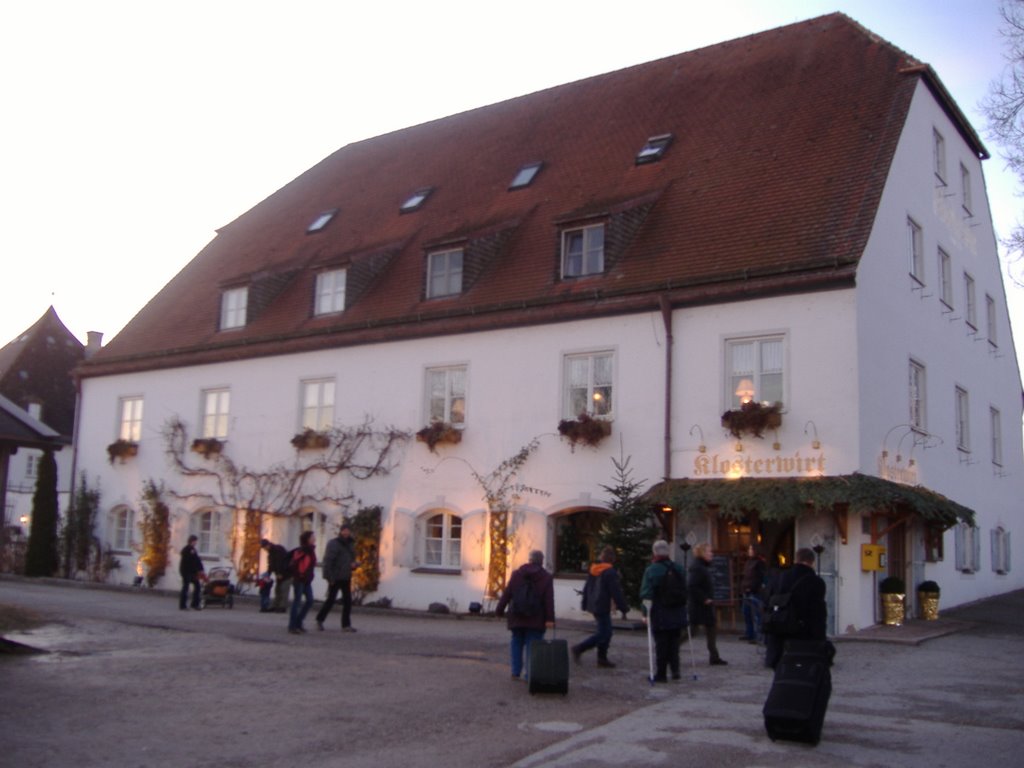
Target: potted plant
[(894, 596), (122, 449), (928, 599), (310, 439), (584, 429), (752, 418), (207, 446), (439, 432)]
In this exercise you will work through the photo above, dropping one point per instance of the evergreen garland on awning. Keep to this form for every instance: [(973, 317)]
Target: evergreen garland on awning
[(789, 497)]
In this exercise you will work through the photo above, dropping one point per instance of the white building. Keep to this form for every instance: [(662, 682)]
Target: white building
[(798, 216)]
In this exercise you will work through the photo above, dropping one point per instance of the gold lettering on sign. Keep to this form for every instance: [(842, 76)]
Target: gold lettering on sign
[(747, 466), (897, 474)]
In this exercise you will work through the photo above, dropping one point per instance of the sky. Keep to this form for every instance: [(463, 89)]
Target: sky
[(130, 131)]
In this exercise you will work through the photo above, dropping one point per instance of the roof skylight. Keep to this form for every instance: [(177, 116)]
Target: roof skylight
[(321, 221), (416, 199), (654, 149), (525, 176)]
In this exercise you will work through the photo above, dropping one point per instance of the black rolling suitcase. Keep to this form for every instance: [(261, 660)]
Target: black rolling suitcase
[(796, 704), (549, 666)]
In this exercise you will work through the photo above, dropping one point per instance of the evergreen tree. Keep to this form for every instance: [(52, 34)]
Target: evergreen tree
[(42, 558), (631, 529)]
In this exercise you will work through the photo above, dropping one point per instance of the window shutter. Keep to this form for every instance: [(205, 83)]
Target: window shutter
[(961, 555), (1006, 550), (404, 534), (976, 554), (474, 531)]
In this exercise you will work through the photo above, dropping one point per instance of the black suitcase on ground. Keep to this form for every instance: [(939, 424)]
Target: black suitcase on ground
[(796, 704), (549, 666)]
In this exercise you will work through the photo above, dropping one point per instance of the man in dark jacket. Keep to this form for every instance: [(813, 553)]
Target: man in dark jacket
[(530, 600), (701, 599), (666, 614), (752, 587), (339, 558), (601, 590), (190, 568), (807, 602), (277, 564)]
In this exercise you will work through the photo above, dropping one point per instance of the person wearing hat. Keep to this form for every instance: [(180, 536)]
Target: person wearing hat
[(277, 564), (339, 560), (191, 569)]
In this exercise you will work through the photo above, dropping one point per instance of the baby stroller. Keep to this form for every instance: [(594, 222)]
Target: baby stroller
[(218, 587)]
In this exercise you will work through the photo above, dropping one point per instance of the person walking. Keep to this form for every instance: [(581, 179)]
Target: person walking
[(602, 589), (277, 564), (752, 587), (663, 595), (191, 569), (339, 559), (530, 600), (806, 604), (302, 567), (700, 599)]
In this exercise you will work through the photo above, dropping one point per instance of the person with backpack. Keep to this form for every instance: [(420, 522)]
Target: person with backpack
[(301, 568), (277, 564), (805, 611), (700, 599), (339, 559), (529, 599), (600, 591), (663, 588)]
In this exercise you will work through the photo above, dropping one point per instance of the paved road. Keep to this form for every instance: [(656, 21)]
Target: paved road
[(128, 680)]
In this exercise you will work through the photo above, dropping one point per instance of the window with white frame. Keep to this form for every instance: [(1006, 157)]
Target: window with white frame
[(444, 273), (330, 292), (32, 464), (939, 155), (915, 248), (583, 251), (130, 426), (446, 395), (916, 383), (965, 187), (990, 320), (968, 548), (754, 370), (233, 308), (578, 539), (442, 541), (945, 279), (318, 404), (963, 424), (996, 433), (1000, 550), (216, 409), (35, 410), (970, 302), (121, 528), (588, 384), (207, 527)]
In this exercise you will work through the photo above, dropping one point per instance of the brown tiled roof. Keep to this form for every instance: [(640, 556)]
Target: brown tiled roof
[(782, 144)]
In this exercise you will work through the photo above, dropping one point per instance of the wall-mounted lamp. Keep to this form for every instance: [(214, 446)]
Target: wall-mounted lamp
[(815, 443), (24, 519), (700, 448)]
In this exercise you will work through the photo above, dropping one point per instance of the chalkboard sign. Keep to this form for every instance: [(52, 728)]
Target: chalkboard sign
[(721, 578)]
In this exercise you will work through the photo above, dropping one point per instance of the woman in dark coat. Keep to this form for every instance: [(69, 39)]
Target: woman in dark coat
[(667, 615), (701, 598)]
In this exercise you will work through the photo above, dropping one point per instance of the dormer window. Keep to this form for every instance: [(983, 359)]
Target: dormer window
[(525, 176), (444, 273), (583, 251), (654, 149), (321, 221), (233, 308), (416, 200), (330, 292)]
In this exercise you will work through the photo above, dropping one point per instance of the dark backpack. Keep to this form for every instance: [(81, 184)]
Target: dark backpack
[(671, 592), (299, 564), (526, 599), (780, 616)]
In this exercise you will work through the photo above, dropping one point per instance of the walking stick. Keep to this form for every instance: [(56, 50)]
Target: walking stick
[(689, 642), (650, 643)]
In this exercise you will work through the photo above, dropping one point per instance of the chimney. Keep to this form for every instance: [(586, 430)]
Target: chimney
[(95, 341)]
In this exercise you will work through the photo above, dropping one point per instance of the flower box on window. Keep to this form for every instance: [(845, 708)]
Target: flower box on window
[(584, 429), (207, 446), (311, 440), (439, 432), (752, 418), (122, 449)]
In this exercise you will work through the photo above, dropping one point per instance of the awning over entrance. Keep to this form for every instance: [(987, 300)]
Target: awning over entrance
[(788, 497)]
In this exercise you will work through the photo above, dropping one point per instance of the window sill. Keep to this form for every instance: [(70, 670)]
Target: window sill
[(438, 571)]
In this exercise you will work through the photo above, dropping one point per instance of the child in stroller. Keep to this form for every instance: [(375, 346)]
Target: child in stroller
[(218, 587)]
